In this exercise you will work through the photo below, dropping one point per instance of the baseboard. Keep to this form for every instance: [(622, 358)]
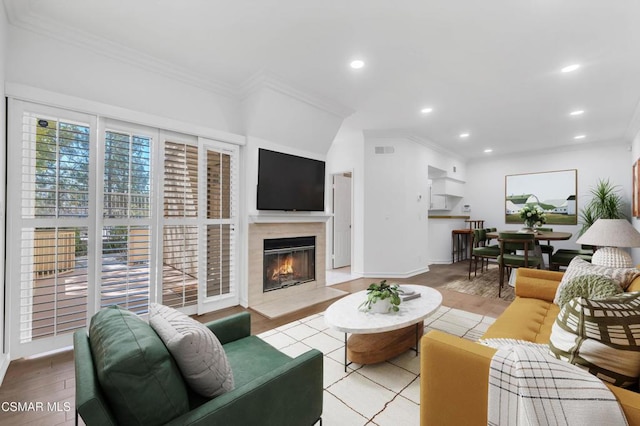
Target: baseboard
[(4, 365), (395, 275), (440, 262)]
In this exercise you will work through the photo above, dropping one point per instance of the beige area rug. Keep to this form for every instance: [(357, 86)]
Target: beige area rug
[(384, 394), (484, 284)]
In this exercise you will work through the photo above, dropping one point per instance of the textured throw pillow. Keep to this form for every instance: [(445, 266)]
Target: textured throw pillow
[(578, 267), (601, 336), (135, 370), (197, 351), (592, 287)]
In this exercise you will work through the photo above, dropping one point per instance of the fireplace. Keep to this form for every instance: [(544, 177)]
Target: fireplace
[(288, 262)]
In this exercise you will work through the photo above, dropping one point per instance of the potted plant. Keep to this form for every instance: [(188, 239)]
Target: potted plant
[(382, 298), (606, 203)]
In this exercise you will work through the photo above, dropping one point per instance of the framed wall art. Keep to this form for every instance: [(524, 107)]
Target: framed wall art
[(556, 192)]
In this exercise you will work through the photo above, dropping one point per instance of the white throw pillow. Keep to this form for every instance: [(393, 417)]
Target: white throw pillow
[(578, 267), (197, 351)]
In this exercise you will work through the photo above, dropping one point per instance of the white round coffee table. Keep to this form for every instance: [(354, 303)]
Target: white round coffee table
[(379, 337)]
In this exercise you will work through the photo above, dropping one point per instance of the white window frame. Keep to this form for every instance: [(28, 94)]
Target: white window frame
[(16, 310), (208, 304), (97, 113)]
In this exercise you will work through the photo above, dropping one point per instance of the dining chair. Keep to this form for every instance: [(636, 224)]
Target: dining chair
[(547, 248), (563, 257), (511, 245), (480, 250)]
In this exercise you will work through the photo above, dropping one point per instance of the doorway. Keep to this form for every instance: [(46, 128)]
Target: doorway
[(342, 201)]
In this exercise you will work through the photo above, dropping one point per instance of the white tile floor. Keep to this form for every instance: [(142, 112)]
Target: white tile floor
[(385, 394)]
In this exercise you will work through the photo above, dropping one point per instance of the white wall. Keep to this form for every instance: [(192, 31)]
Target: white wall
[(485, 190), (347, 155), (396, 203), (45, 63), (4, 359), (284, 115)]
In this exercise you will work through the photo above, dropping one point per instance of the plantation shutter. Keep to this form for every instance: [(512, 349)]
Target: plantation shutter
[(82, 227), (48, 227), (180, 231), (126, 230), (221, 208)]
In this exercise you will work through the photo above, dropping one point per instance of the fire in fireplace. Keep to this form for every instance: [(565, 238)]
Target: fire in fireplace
[(289, 261)]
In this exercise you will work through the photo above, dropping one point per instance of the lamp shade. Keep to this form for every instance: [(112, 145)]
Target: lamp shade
[(611, 233)]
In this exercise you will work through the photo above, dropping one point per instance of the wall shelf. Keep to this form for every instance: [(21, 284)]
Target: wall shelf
[(447, 186)]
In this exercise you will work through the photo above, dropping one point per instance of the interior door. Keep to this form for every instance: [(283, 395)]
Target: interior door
[(341, 220)]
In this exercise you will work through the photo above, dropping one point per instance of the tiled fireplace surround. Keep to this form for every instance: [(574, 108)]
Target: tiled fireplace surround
[(258, 232)]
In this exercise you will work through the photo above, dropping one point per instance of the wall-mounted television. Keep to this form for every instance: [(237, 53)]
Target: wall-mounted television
[(288, 182)]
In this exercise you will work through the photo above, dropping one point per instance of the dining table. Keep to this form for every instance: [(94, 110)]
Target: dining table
[(539, 236)]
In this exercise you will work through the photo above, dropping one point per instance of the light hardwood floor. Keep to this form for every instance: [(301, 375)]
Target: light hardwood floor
[(50, 379)]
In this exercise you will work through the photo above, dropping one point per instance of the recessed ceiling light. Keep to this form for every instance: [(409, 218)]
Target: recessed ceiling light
[(426, 110), (357, 64), (578, 112), (488, 150), (570, 68), (465, 135), (580, 137)]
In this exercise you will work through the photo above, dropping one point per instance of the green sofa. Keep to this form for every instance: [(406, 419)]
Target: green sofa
[(271, 388)]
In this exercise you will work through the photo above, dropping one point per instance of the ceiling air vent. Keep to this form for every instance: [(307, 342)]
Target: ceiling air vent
[(384, 150)]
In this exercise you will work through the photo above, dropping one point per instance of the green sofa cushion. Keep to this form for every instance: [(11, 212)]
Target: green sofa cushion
[(135, 370), (252, 358)]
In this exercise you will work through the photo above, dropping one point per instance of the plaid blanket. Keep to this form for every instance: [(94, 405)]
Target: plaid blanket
[(527, 386)]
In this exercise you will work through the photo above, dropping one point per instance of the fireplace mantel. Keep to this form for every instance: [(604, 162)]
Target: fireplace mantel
[(289, 217)]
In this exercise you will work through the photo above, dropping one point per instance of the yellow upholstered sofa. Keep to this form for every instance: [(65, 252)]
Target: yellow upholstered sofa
[(454, 372)]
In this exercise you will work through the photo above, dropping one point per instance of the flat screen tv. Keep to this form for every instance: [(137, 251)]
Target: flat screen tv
[(288, 182)]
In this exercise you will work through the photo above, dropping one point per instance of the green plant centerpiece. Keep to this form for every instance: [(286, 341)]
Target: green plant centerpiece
[(382, 298)]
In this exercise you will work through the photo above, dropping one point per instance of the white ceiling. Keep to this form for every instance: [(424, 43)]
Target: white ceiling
[(490, 68)]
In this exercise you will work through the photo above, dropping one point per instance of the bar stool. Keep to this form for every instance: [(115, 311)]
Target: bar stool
[(475, 224), (460, 242)]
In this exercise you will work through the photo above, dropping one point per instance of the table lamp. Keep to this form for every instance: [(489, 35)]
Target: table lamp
[(609, 234)]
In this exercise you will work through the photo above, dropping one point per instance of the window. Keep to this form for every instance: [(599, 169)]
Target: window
[(49, 188), (180, 232), (127, 217), (126, 226)]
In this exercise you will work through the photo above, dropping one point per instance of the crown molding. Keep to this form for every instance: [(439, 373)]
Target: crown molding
[(410, 136), (268, 80), (73, 103), (21, 15)]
